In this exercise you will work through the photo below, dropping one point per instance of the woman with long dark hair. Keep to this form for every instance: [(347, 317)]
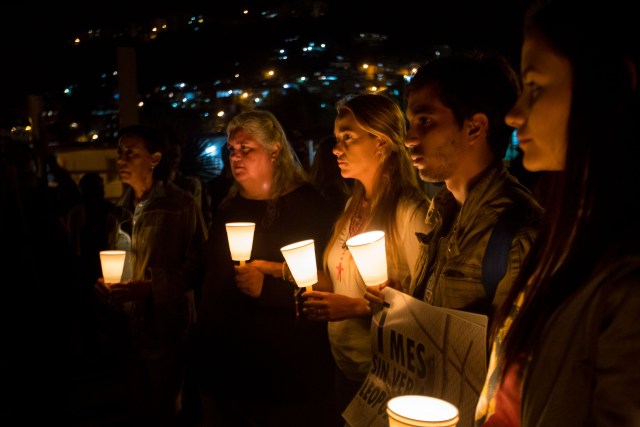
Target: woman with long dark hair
[(567, 350)]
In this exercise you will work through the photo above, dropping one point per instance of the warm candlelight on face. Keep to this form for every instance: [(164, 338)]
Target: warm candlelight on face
[(421, 411), (240, 236), (301, 259), (369, 253), (112, 265)]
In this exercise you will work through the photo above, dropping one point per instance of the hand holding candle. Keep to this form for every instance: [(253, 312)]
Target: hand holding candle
[(112, 263), (240, 236)]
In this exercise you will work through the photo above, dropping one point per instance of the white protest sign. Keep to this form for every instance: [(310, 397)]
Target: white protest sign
[(421, 349)]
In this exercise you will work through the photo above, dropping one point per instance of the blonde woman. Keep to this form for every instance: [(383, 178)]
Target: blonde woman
[(370, 132)]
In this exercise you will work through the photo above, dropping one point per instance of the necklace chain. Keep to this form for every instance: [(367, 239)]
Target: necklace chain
[(358, 219)]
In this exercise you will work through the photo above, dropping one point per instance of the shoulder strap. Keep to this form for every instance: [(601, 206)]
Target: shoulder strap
[(496, 255)]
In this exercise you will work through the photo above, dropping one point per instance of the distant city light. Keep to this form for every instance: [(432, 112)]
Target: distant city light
[(212, 98), (512, 150)]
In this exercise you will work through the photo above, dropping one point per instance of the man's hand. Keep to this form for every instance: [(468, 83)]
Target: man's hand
[(118, 293)]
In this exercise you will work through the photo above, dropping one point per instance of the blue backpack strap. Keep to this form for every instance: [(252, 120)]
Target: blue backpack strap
[(496, 255)]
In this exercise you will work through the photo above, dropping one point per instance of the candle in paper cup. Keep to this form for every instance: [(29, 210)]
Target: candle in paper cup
[(112, 263), (301, 259), (240, 236), (369, 253), (421, 411)]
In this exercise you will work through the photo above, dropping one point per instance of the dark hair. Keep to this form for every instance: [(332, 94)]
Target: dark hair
[(473, 82), (155, 141), (593, 205), (91, 186)]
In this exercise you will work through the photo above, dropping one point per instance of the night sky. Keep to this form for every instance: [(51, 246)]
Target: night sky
[(34, 42)]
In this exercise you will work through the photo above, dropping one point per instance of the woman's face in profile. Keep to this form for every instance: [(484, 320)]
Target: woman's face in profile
[(541, 113), (355, 149), (251, 164)]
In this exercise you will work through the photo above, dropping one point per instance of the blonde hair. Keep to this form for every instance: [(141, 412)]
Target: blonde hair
[(397, 179)]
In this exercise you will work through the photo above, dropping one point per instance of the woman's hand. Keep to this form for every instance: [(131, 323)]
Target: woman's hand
[(319, 305), (249, 279)]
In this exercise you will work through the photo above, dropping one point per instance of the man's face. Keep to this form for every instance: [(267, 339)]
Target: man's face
[(434, 138), (135, 163)]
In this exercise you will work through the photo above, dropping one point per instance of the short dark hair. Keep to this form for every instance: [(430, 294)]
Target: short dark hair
[(473, 82), (155, 141)]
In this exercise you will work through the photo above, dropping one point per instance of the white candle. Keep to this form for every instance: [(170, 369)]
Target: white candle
[(240, 236), (301, 259), (112, 265), (369, 253), (421, 411)]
